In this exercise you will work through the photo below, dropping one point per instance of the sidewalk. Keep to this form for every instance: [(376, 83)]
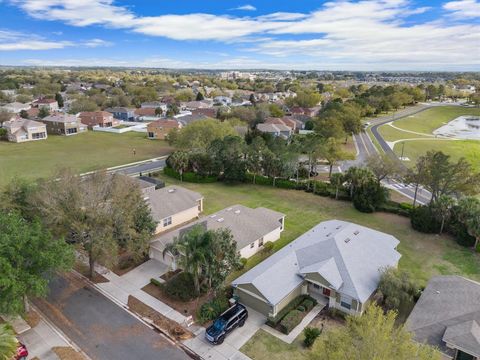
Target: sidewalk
[(130, 284)]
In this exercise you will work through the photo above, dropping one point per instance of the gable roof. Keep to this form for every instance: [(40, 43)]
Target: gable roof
[(346, 254), (446, 311), (246, 224)]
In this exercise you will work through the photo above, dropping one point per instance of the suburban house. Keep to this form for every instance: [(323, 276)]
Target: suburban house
[(145, 113), (336, 262), (286, 121), (63, 124), (22, 130), (159, 129), (197, 104), (122, 113), (97, 118), (16, 107), (155, 105), (49, 104), (275, 130), (173, 205), (251, 229), (447, 316)]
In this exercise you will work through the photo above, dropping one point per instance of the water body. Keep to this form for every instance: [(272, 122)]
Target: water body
[(463, 127)]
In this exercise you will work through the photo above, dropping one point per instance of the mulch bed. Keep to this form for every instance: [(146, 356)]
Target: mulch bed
[(163, 323), (85, 271), (188, 308)]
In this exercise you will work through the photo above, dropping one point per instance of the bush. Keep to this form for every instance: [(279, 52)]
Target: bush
[(308, 304), (180, 287), (423, 219), (156, 282), (311, 334), (274, 321), (212, 309), (396, 208), (190, 176), (268, 247), (459, 231), (243, 262), (290, 321), (301, 308), (285, 184)]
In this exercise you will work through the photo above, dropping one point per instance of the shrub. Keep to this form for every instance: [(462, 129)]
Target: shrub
[(308, 304), (311, 334), (243, 262), (396, 208), (424, 220), (459, 231), (170, 172), (285, 184), (156, 282), (268, 247), (290, 321), (301, 308), (180, 287), (189, 176), (274, 321), (212, 309)]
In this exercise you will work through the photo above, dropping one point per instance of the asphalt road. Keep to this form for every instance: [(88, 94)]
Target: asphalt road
[(144, 169), (102, 329)]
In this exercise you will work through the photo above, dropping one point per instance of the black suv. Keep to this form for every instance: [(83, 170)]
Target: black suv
[(225, 323)]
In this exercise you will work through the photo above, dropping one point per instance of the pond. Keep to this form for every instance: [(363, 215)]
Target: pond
[(463, 127)]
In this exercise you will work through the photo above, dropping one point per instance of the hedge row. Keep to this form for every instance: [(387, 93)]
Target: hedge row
[(190, 176), (274, 321), (290, 321)]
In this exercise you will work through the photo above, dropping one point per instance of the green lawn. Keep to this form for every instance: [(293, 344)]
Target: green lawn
[(389, 133), (82, 152), (469, 149), (423, 255), (429, 120), (263, 346)]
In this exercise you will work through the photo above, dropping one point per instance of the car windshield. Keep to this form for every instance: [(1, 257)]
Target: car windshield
[(219, 324)]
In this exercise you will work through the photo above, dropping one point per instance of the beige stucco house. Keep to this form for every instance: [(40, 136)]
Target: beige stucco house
[(22, 130), (337, 262), (250, 228), (172, 206)]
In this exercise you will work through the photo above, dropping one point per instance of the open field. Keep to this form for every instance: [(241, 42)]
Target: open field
[(420, 125), (82, 152), (423, 255)]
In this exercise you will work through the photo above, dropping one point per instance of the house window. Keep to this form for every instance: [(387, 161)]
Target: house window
[(260, 242), (315, 286), (167, 221), (151, 135), (38, 135), (252, 245), (345, 305)]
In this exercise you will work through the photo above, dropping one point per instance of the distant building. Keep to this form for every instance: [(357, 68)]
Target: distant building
[(63, 124), (16, 107), (155, 105), (22, 130), (98, 118), (159, 129), (122, 113), (49, 104), (276, 130)]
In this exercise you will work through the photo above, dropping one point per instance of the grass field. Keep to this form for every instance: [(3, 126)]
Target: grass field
[(82, 152), (425, 123), (423, 255)]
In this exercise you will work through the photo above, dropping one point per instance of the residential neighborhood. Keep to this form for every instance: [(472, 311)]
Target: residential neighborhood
[(239, 181)]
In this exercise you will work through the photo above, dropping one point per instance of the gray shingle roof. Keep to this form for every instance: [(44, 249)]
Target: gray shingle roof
[(171, 200), (348, 255), (446, 309), (246, 225)]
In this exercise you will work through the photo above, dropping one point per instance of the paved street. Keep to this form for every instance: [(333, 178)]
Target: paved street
[(144, 169), (101, 328)]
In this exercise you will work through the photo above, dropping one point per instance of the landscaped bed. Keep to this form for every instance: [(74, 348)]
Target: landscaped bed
[(292, 314)]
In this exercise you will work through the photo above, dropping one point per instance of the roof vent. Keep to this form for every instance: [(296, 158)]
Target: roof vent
[(237, 212), (171, 190), (221, 220), (338, 227), (356, 232), (347, 240), (329, 234)]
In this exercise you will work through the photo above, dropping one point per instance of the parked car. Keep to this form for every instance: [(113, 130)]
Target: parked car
[(225, 323), (22, 352)]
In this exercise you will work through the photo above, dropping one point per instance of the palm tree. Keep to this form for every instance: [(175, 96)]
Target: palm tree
[(8, 342), (443, 207), (190, 249), (179, 162), (469, 215)]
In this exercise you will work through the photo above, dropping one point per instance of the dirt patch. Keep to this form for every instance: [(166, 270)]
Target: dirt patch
[(326, 322), (188, 308), (67, 353), (85, 271), (163, 323), (32, 318)]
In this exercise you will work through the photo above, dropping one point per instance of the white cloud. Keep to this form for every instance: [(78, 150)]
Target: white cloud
[(93, 43), (247, 7), (344, 32), (463, 8)]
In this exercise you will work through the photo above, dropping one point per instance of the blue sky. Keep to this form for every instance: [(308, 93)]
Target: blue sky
[(214, 34)]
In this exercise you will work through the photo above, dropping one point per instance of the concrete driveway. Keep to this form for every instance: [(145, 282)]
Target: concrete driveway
[(233, 342)]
